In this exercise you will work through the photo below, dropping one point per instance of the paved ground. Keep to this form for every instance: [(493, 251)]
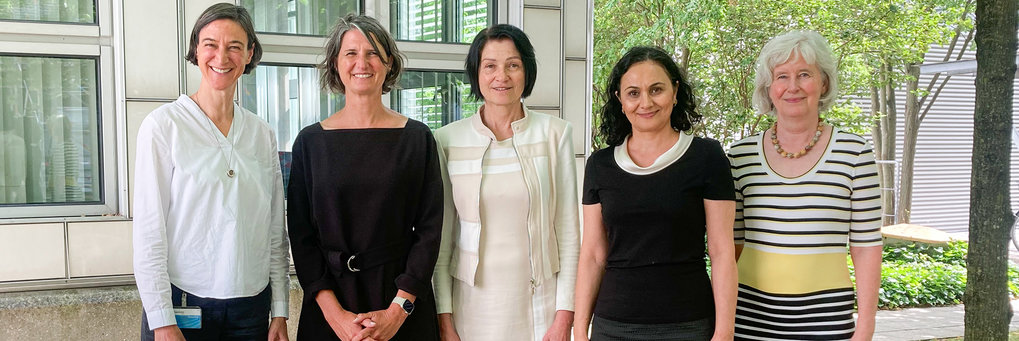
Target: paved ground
[(925, 323), (930, 323)]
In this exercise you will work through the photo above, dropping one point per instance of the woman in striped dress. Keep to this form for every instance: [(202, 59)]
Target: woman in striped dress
[(805, 189)]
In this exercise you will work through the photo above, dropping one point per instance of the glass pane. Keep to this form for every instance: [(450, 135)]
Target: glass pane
[(310, 17), (434, 98), (450, 21), (49, 139), (65, 11), (289, 98)]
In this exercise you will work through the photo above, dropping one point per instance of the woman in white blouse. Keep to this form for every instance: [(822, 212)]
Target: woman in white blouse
[(210, 247)]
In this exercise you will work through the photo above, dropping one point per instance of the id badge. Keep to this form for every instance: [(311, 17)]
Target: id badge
[(187, 317)]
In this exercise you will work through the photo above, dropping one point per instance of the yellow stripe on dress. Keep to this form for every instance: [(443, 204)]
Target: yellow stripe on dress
[(792, 273)]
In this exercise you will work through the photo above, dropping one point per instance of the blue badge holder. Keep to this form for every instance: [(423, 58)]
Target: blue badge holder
[(187, 317)]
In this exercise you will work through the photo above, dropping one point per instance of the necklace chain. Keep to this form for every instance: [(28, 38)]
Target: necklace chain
[(212, 133), (802, 152)]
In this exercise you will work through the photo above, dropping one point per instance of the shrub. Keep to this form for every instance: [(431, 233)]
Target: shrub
[(921, 275)]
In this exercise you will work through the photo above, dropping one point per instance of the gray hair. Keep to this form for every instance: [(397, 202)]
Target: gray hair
[(383, 44), (813, 48), (229, 11)]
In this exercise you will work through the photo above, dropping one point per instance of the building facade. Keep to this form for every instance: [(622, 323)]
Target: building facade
[(77, 77)]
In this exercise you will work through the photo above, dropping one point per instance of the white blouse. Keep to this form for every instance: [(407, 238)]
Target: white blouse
[(208, 210)]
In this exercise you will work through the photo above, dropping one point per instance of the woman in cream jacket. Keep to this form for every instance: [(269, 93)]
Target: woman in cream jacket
[(508, 257)]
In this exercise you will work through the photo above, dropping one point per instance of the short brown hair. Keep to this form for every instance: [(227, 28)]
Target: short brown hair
[(371, 29), (240, 16)]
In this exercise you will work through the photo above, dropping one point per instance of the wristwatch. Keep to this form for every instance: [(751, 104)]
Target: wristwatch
[(407, 305)]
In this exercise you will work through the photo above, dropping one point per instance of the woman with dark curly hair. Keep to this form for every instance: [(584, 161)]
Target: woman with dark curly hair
[(648, 202)]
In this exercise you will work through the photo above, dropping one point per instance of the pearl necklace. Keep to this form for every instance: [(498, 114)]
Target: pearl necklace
[(802, 152)]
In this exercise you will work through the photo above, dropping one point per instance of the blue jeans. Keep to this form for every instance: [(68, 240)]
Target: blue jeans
[(242, 318)]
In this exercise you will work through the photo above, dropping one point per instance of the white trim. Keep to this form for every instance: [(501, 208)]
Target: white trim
[(422, 64), (291, 41), (120, 107), (57, 30), (667, 158), (50, 48), (108, 111), (514, 13), (295, 59)]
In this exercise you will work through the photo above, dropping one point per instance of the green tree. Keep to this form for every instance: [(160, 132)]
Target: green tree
[(877, 43), (717, 42), (987, 308)]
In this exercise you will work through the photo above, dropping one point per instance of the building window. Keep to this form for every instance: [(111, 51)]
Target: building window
[(49, 134), (305, 17), (61, 11), (289, 98), (448, 21), (434, 98)]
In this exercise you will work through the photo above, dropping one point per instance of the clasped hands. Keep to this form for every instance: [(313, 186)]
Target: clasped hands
[(378, 325)]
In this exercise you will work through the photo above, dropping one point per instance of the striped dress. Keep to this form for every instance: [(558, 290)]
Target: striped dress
[(793, 280)]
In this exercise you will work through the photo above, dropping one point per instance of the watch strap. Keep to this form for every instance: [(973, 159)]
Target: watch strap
[(403, 304)]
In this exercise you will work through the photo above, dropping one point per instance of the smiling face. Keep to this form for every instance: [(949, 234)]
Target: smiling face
[(647, 96), (796, 88), (362, 70), (221, 54), (501, 75)]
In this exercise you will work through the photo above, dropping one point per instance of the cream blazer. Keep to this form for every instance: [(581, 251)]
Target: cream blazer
[(544, 145)]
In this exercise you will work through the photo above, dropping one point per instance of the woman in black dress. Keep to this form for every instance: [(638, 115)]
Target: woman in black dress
[(365, 202), (650, 199)]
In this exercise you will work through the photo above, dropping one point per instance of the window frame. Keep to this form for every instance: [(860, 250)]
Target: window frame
[(260, 34), (89, 41), (494, 16)]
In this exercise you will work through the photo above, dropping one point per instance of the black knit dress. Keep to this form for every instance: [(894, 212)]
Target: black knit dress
[(375, 194)]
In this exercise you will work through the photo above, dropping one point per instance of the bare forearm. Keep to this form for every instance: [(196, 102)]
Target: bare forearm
[(723, 287), (589, 275), (867, 263), (331, 308)]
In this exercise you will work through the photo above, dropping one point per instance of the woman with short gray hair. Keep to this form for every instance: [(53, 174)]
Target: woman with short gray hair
[(805, 190), (210, 247), (364, 202)]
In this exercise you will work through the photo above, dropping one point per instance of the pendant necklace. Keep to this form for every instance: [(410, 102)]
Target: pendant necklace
[(212, 133)]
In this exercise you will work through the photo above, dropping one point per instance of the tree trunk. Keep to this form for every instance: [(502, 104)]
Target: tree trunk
[(909, 134), (889, 120), (886, 103), (885, 170), (987, 307)]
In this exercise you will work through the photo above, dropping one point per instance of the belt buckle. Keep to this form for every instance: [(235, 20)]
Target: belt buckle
[(351, 267)]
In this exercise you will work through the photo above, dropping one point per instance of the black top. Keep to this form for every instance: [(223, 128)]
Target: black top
[(655, 227), (376, 194)]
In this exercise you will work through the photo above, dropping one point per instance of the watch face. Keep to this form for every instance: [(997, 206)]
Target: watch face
[(408, 306)]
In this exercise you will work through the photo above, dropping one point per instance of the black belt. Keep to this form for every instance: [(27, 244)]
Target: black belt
[(353, 262)]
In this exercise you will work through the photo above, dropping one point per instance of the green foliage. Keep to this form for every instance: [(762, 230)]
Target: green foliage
[(717, 42), (921, 275), (954, 253), (921, 284)]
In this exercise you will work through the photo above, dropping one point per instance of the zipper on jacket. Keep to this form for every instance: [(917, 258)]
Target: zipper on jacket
[(530, 248)]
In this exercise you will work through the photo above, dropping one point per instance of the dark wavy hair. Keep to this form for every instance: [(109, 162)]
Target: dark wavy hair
[(497, 32), (614, 125), (240, 16)]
